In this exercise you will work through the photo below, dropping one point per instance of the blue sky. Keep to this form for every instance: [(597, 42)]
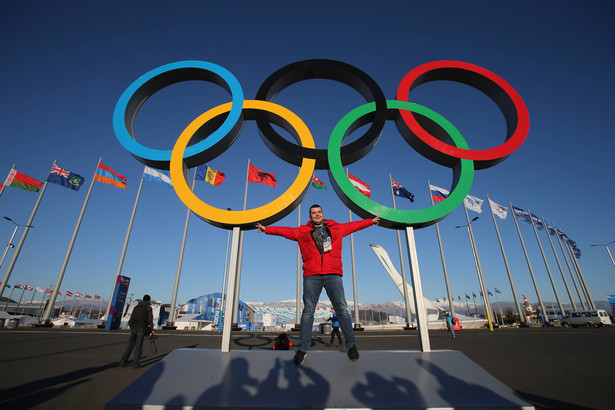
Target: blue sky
[(65, 65)]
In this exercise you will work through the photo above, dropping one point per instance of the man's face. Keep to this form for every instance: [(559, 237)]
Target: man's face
[(316, 216)]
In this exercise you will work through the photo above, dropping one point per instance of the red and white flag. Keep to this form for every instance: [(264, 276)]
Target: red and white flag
[(361, 186), (28, 287)]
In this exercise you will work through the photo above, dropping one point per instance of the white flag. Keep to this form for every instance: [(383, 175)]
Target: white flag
[(473, 203), (498, 210), (156, 175), (39, 289)]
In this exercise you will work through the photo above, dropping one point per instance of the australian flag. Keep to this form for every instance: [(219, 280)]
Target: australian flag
[(65, 178), (401, 191)]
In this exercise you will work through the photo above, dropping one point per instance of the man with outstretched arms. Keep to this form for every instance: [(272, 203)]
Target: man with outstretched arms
[(320, 242)]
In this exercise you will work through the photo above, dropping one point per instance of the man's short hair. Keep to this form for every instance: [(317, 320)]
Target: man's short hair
[(146, 298), (314, 206)]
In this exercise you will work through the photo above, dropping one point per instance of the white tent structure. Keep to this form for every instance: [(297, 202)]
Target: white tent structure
[(435, 320)]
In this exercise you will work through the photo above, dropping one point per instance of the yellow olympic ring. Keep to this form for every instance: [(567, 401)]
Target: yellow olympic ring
[(266, 214)]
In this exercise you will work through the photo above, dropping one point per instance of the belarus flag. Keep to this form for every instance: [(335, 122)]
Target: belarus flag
[(361, 186)]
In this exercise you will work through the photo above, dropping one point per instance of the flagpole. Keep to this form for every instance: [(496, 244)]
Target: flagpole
[(574, 282), (401, 261), (497, 301), (46, 321), (559, 265), (544, 258), (63, 302), (573, 258), (120, 264), (72, 304), (9, 298), (467, 306), (3, 185), (448, 287), (357, 325), (171, 325), (235, 312), (20, 298), (510, 279), (9, 270), (545, 319), (223, 293), (31, 300), (298, 297), (481, 278)]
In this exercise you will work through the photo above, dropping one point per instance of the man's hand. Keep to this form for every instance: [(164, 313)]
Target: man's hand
[(260, 227), (376, 220)]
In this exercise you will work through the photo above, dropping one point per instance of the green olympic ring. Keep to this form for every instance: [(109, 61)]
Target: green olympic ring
[(463, 170)]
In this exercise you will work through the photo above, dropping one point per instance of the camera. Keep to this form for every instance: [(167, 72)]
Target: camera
[(153, 336)]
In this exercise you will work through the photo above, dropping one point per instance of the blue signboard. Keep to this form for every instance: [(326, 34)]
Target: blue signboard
[(612, 302), (114, 316)]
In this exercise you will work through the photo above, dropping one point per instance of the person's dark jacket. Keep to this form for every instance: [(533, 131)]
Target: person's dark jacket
[(142, 317)]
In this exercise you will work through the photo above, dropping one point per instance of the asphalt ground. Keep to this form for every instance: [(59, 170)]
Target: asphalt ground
[(59, 368)]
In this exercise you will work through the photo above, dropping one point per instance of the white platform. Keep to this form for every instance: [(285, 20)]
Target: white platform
[(262, 379)]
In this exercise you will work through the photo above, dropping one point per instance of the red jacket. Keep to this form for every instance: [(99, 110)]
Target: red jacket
[(313, 262)]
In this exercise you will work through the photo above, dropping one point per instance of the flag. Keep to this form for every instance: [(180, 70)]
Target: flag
[(496, 290), (489, 293), (204, 173), (318, 184), (360, 185), (520, 213), (19, 180), (401, 191), (537, 221), (18, 286), (551, 230), (39, 289), (498, 210), (473, 294), (96, 297), (59, 294), (459, 298), (467, 296), (437, 300), (473, 203), (7, 285), (155, 175), (65, 178), (48, 291), (28, 287), (261, 177), (78, 295), (106, 175), (438, 194), (88, 296), (68, 293)]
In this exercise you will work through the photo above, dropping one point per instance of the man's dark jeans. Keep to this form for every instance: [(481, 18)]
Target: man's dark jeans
[(136, 342)]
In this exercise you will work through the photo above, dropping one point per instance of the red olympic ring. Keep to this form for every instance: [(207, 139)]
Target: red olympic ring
[(503, 94)]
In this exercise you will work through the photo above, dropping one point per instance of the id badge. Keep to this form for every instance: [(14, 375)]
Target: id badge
[(326, 245)]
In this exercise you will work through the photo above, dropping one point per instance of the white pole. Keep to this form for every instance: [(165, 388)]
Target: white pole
[(9, 270), (510, 279), (298, 298), (545, 319), (118, 272), (401, 262), (544, 258), (235, 312), (69, 251), (574, 282), (559, 265), (481, 278), (180, 262), (223, 293), (448, 287), (417, 290), (3, 185), (230, 297)]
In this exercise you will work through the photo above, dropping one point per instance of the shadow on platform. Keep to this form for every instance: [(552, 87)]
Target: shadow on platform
[(210, 379)]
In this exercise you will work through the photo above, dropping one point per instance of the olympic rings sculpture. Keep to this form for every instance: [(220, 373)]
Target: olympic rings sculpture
[(214, 131)]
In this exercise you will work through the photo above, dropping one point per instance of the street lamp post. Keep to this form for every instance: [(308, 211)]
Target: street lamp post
[(606, 245), (10, 245)]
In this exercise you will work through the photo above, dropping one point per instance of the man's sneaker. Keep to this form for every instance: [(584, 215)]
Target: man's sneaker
[(353, 353), (300, 357)]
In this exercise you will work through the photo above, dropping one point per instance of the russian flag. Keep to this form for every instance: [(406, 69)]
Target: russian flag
[(438, 194)]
